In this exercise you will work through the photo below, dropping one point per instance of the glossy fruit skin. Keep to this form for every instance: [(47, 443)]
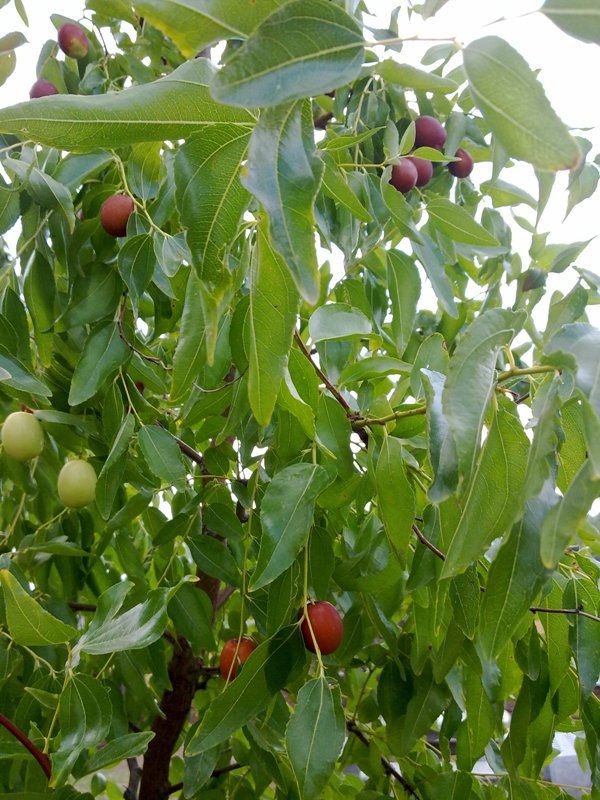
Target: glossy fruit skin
[(22, 436), (404, 175), (429, 133), (77, 484), (424, 171), (115, 212), (73, 41), (464, 167), (226, 667), (42, 88), (327, 627)]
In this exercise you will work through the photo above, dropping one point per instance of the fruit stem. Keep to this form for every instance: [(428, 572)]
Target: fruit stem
[(306, 616)]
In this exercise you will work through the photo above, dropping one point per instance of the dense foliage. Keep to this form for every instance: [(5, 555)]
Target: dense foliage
[(268, 376)]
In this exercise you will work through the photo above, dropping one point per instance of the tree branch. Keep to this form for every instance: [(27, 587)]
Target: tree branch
[(42, 759), (335, 392), (423, 539), (579, 612), (361, 422), (184, 671), (389, 768)]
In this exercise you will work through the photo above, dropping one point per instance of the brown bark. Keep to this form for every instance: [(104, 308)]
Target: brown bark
[(184, 671)]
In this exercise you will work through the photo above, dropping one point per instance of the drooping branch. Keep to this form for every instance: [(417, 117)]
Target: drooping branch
[(42, 759), (388, 767)]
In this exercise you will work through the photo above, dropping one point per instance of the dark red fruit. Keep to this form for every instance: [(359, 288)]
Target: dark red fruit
[(115, 212), (429, 133), (424, 170), (42, 88), (73, 41), (462, 168), (327, 627), (227, 668), (404, 175), (140, 387)]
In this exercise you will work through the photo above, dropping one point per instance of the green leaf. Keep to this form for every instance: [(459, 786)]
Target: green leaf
[(284, 175), (494, 498), (582, 341), (136, 262), (506, 194), (515, 106), (210, 197), (333, 432), (315, 735), (372, 367), (584, 633), (395, 495), (432, 262), (286, 515), (190, 352), (404, 287), (413, 78), (515, 577), (13, 374), (457, 224), (564, 520), (273, 310), (470, 382), (117, 750), (194, 24), (214, 558), (336, 186), (28, 622), (162, 454), (192, 614), (545, 418), (305, 48), (134, 629), (111, 474), (45, 190), (140, 114), (338, 321), (85, 715), (442, 448), (103, 353), (267, 671), (426, 703), (578, 18)]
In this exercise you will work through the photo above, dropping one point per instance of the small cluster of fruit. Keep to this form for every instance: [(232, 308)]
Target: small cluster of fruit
[(75, 44), (23, 439), (321, 628), (413, 171)]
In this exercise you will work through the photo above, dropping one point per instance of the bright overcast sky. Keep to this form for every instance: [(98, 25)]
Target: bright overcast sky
[(568, 70)]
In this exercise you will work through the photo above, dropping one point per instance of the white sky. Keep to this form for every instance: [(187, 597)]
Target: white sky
[(568, 70)]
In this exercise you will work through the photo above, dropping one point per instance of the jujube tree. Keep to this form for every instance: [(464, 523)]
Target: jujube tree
[(353, 479)]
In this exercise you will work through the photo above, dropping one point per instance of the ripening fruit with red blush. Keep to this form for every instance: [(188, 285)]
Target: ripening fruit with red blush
[(464, 167), (404, 175), (327, 628), (429, 133), (424, 171), (227, 668), (73, 41), (115, 212), (42, 88)]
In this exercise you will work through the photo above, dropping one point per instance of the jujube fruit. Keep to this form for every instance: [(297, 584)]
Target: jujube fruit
[(464, 167), (227, 668), (327, 627), (77, 484), (404, 175), (115, 213), (22, 436), (42, 88), (429, 133), (424, 170), (73, 41)]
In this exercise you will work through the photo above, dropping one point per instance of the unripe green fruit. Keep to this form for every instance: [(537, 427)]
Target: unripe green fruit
[(73, 41), (77, 484), (22, 436)]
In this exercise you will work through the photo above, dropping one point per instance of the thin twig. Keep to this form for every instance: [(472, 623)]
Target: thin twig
[(361, 422), (424, 540), (152, 359), (579, 612), (389, 768), (516, 372), (42, 758), (335, 392)]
